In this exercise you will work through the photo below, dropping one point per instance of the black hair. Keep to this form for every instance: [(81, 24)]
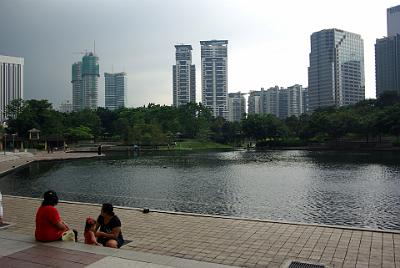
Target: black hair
[(108, 209), (50, 198)]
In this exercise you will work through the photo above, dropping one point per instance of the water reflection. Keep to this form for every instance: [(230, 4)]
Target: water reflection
[(344, 188)]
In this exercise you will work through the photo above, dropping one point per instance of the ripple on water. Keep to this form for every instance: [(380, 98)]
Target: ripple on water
[(342, 188)]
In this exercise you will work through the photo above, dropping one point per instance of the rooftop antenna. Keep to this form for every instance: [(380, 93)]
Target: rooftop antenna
[(94, 46), (112, 68)]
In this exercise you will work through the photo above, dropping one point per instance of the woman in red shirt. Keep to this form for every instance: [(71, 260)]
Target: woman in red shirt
[(49, 226)]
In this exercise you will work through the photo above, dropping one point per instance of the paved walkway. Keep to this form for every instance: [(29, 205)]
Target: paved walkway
[(22, 251), (236, 242)]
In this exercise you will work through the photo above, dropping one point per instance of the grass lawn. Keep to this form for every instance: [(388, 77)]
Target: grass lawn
[(199, 145)]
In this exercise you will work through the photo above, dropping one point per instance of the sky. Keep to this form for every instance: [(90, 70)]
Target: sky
[(269, 41)]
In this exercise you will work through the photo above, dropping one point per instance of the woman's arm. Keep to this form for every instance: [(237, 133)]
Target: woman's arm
[(113, 235), (61, 226)]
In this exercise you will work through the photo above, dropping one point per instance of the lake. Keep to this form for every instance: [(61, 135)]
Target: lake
[(360, 189)]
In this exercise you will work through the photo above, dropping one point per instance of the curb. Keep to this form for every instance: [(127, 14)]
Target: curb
[(225, 217)]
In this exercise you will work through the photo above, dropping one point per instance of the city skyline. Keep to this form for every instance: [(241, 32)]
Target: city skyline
[(266, 49)]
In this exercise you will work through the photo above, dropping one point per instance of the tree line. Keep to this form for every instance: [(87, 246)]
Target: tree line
[(161, 124)]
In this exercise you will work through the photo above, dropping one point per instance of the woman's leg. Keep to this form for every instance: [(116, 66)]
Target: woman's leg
[(112, 243)]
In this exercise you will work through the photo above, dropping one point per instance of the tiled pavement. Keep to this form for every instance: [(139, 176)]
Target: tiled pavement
[(236, 242), (18, 250)]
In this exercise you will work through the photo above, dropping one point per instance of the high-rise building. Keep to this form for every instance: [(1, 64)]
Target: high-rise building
[(236, 106), (387, 64), (214, 76), (115, 90), (387, 55), (281, 102), (295, 101), (90, 76), (336, 72), (66, 107), (77, 90), (184, 76), (305, 100), (253, 102), (11, 82), (393, 21), (85, 75), (269, 101)]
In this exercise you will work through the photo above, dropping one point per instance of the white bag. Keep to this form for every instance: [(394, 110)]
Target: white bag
[(68, 236)]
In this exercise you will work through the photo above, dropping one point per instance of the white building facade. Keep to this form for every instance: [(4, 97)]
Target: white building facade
[(66, 107), (11, 82), (214, 76), (281, 102), (184, 76), (236, 106), (115, 90)]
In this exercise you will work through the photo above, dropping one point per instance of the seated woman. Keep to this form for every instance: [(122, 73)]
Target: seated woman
[(49, 226), (110, 234)]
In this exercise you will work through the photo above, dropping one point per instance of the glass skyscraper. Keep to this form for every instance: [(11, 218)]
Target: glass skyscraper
[(393, 21), (90, 76), (184, 76), (336, 72), (387, 55), (115, 90), (85, 75), (214, 76)]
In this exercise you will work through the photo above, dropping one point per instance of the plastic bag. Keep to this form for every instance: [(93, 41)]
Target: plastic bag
[(68, 236)]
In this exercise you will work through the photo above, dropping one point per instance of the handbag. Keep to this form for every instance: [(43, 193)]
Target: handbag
[(68, 236)]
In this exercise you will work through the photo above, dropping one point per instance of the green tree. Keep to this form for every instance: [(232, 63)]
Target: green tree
[(78, 133)]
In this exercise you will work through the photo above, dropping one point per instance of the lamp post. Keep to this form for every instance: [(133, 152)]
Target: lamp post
[(13, 135), (5, 143)]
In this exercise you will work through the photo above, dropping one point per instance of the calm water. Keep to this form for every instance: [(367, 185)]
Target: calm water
[(340, 188)]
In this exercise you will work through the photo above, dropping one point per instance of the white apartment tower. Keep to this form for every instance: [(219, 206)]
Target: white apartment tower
[(281, 102), (115, 90), (11, 82), (236, 106), (184, 76), (214, 76)]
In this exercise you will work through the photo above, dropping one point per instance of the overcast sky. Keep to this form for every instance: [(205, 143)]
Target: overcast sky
[(269, 41)]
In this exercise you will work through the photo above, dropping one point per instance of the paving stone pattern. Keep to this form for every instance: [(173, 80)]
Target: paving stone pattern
[(247, 243), (41, 256)]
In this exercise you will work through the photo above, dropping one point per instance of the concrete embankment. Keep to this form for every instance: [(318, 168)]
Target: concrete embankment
[(12, 161)]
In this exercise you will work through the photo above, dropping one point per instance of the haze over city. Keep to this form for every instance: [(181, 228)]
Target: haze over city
[(269, 44)]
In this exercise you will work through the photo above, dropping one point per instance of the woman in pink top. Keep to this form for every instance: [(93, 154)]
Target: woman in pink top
[(90, 229)]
